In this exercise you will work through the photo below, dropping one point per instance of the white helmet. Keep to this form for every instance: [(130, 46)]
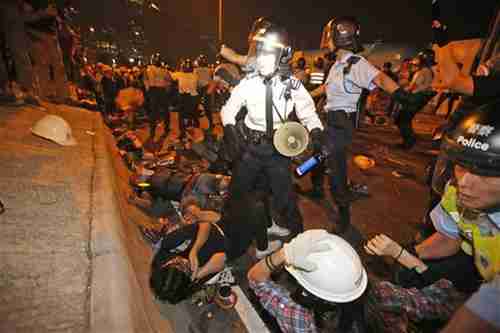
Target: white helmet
[(340, 277), (54, 128)]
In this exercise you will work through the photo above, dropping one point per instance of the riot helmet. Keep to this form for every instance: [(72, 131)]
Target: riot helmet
[(202, 61), (319, 63), (427, 58), (187, 66), (472, 142), (270, 48), (344, 34), (156, 59), (301, 63), (260, 23)]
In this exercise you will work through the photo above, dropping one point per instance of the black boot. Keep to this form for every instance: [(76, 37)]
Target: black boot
[(315, 193), (344, 219)]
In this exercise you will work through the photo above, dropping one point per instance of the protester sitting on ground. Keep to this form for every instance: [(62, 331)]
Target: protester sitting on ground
[(211, 243), (334, 293), (468, 217)]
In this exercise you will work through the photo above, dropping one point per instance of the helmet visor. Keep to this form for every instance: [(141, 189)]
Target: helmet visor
[(443, 173), (267, 52)]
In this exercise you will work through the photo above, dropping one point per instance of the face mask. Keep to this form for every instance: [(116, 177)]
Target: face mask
[(266, 64)]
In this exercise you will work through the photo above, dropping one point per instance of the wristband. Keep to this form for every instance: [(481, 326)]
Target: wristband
[(400, 253), (269, 264)]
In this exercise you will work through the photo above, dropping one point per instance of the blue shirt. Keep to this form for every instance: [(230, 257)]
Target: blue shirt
[(343, 91), (445, 224), (485, 303)]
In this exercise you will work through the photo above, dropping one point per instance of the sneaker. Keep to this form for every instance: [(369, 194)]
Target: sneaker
[(271, 247), (224, 277), (276, 230)]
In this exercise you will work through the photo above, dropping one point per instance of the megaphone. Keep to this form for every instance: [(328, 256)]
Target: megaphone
[(291, 139)]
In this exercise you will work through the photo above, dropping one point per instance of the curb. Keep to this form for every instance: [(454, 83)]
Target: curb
[(120, 297)]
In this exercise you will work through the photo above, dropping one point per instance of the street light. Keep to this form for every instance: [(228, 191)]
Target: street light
[(221, 18)]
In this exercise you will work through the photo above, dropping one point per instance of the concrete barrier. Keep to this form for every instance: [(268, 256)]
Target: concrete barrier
[(121, 299)]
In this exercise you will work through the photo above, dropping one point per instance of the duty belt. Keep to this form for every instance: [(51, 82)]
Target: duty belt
[(257, 137), (349, 115)]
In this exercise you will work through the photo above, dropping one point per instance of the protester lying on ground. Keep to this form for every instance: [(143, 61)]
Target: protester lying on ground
[(334, 293), (211, 243)]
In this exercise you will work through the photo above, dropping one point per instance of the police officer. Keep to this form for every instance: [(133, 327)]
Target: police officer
[(204, 77), (157, 81), (347, 78), (421, 87), (468, 216), (269, 99)]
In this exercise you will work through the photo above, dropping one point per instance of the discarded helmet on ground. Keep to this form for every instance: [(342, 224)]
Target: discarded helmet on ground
[(363, 162), (56, 129), (340, 276)]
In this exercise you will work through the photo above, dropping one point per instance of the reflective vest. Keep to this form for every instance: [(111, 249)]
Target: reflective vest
[(317, 78), (484, 246)]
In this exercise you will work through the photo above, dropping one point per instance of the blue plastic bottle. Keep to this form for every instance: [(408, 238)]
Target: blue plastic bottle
[(311, 163)]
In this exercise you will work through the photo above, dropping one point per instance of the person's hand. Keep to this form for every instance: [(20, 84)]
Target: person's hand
[(297, 250), (195, 264), (382, 245), (317, 141), (483, 70)]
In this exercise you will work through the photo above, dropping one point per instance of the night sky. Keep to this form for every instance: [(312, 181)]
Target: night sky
[(182, 26)]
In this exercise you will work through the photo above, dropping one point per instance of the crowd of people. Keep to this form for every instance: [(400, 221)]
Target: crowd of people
[(450, 279)]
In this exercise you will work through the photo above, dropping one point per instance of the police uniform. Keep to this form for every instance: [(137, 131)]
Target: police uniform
[(344, 84), (260, 156), (189, 99), (157, 80)]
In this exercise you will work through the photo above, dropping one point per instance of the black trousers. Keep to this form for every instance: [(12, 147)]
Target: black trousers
[(158, 109), (339, 133), (406, 115), (206, 102), (188, 112), (459, 269), (262, 163)]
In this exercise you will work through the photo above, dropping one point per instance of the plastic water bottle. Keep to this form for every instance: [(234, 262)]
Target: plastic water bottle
[(311, 163)]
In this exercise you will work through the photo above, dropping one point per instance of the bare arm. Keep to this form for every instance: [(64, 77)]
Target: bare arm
[(318, 91), (201, 239), (465, 321), (215, 264), (384, 82), (201, 236), (260, 272), (232, 56), (438, 246), (382, 245)]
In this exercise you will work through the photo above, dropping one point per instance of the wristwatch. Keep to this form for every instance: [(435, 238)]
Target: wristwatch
[(420, 269)]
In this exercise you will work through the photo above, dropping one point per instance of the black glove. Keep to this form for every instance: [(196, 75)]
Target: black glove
[(317, 140), (233, 142)]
